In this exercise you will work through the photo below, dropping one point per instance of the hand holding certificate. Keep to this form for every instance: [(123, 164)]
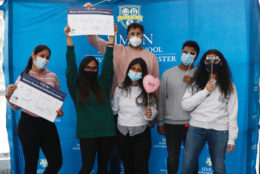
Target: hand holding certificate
[(90, 21), (38, 97)]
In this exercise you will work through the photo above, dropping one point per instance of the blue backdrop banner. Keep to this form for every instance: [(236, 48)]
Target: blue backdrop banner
[(229, 26)]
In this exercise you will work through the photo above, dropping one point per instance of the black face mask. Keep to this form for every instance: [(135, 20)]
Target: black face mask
[(215, 67), (91, 75)]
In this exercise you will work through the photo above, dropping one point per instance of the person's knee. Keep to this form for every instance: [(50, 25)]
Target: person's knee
[(219, 170)]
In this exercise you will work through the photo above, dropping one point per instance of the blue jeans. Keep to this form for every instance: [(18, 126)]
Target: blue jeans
[(195, 141)]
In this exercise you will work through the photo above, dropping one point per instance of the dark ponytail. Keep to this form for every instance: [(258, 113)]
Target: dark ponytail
[(37, 49), (29, 65)]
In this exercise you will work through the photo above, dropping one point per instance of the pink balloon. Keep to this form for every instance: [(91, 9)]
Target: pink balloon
[(151, 83)]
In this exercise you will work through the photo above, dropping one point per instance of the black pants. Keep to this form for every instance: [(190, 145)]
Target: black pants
[(174, 135), (114, 159), (36, 133), (89, 147), (135, 151)]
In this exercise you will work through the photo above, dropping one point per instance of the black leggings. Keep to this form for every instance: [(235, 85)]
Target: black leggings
[(135, 151), (89, 147), (36, 133)]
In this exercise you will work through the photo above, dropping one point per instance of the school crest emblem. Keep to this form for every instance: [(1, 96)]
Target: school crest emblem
[(129, 14)]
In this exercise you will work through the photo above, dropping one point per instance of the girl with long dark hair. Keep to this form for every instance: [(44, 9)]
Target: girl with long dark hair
[(134, 111), (211, 99), (90, 94), (34, 132)]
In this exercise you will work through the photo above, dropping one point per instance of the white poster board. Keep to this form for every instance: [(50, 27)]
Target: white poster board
[(90, 21)]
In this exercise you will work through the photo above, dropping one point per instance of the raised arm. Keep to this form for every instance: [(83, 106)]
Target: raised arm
[(94, 40), (71, 70), (155, 72), (190, 100), (107, 72), (97, 43)]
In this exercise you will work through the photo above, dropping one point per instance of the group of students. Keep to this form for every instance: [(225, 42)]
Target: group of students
[(195, 106)]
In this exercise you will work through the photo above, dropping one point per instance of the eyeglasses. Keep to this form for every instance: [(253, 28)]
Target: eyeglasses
[(192, 53), (91, 68), (212, 59)]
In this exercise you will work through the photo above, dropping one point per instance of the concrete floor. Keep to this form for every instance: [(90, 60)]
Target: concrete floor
[(5, 162)]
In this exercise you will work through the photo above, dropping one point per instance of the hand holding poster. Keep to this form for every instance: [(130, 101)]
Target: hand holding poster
[(90, 21), (37, 97)]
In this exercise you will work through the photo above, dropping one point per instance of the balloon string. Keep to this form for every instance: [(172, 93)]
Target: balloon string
[(148, 100), (187, 72), (100, 2), (211, 69)]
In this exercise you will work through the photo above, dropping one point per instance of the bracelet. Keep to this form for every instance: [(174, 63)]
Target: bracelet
[(110, 44)]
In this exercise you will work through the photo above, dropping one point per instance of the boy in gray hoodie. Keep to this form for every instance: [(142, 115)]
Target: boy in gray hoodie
[(173, 86)]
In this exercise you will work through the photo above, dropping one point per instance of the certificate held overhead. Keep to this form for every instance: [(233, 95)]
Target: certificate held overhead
[(90, 21)]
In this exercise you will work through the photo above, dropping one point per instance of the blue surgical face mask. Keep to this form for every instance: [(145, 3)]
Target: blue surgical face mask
[(187, 59), (134, 76), (41, 63)]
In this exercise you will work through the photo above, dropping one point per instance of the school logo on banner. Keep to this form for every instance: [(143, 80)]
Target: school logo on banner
[(209, 162), (206, 169), (129, 14), (43, 163)]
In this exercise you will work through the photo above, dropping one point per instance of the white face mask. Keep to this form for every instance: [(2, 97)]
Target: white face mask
[(135, 41), (40, 62)]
